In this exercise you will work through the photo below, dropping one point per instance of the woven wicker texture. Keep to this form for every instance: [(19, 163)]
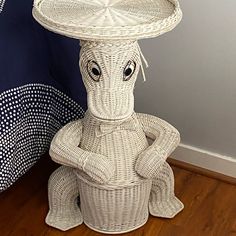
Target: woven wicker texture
[(107, 160), (64, 191), (108, 19), (119, 177)]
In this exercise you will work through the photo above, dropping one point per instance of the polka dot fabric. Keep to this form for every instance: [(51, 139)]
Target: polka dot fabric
[(30, 116), (2, 2)]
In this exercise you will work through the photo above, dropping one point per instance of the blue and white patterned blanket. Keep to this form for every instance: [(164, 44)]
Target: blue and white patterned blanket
[(40, 88)]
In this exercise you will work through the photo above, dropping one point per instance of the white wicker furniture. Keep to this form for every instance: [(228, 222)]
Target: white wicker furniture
[(106, 158)]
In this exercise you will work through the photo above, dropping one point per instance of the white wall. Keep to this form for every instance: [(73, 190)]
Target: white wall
[(191, 81)]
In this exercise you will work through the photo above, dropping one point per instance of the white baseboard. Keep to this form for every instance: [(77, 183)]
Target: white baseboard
[(205, 159)]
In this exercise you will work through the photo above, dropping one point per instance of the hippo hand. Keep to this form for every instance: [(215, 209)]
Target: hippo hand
[(100, 168), (150, 162)]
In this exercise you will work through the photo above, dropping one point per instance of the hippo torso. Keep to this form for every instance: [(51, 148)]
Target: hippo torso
[(120, 141)]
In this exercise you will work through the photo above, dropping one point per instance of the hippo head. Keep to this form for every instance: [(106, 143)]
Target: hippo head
[(109, 71)]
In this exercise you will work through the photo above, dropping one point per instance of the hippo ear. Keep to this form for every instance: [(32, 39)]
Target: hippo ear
[(142, 60)]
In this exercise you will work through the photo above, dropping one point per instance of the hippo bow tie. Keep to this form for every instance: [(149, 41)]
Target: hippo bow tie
[(104, 129)]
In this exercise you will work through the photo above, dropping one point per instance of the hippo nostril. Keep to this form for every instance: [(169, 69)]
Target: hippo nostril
[(128, 72), (95, 71)]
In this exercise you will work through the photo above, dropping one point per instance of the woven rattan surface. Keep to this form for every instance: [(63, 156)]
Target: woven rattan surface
[(108, 19), (106, 158)]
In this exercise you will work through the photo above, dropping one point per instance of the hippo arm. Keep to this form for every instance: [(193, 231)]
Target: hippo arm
[(166, 139), (65, 150)]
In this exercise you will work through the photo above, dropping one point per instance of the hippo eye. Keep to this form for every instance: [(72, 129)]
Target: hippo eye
[(94, 70), (129, 70)]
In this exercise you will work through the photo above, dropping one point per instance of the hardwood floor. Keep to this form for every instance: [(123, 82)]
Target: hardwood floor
[(210, 208)]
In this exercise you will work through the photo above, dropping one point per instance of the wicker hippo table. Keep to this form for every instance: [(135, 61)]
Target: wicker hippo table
[(106, 159)]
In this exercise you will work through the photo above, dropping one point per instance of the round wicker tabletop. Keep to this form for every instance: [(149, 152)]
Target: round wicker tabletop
[(108, 19)]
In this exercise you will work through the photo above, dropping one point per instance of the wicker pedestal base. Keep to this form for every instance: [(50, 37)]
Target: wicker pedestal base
[(122, 232), (114, 209)]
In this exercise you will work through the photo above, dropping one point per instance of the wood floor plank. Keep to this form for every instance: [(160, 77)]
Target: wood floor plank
[(217, 212), (210, 208), (194, 191)]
